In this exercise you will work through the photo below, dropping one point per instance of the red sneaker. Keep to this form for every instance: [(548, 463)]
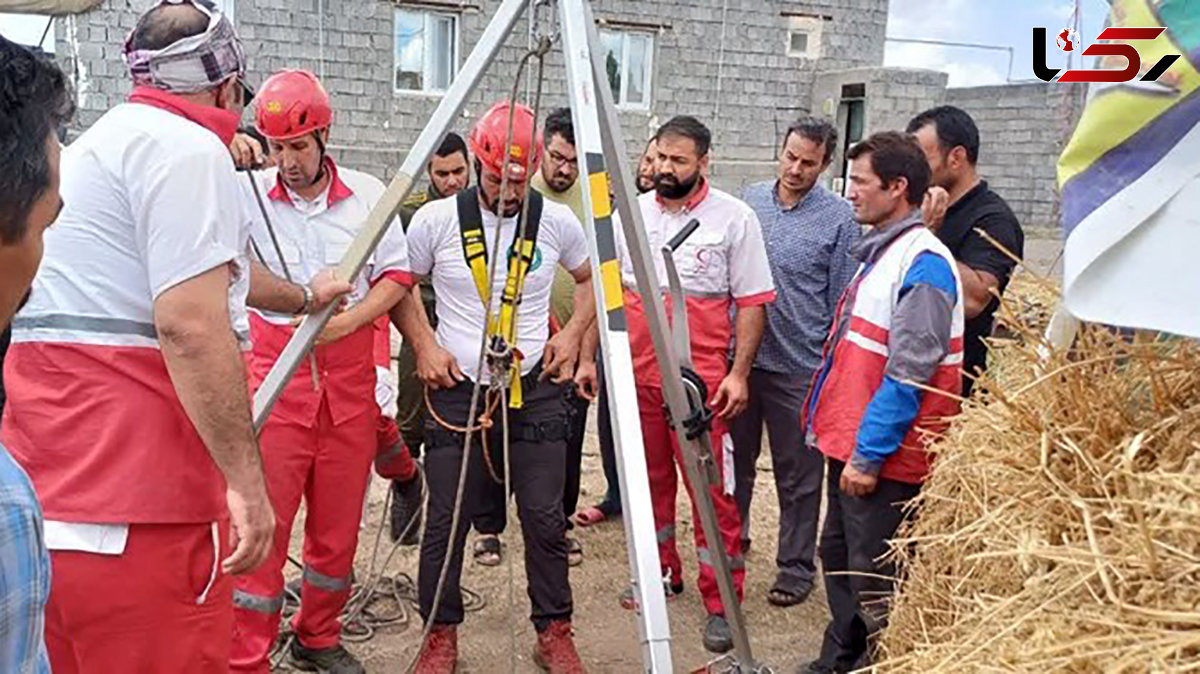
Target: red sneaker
[(555, 651), (440, 652)]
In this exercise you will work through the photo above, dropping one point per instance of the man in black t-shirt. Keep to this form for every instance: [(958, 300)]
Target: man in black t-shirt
[(950, 141)]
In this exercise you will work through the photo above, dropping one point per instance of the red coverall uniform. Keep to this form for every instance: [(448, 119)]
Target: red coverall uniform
[(136, 519), (724, 263), (321, 438)]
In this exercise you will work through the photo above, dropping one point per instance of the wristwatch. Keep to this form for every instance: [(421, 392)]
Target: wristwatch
[(308, 300)]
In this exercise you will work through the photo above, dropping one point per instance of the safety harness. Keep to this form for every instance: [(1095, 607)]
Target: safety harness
[(502, 329)]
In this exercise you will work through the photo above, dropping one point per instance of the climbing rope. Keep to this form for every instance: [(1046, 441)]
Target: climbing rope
[(383, 601), (483, 427), (491, 356)]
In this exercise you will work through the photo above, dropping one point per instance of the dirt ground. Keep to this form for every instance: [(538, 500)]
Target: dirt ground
[(606, 634)]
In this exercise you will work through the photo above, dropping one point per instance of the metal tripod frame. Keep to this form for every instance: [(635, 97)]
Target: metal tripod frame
[(601, 150)]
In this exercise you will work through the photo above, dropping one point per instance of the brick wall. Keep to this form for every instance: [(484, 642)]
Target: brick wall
[(747, 90), (1022, 129)]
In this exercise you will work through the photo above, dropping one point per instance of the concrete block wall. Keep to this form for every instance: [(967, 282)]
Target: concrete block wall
[(1022, 128), (896, 95), (724, 61), (892, 96)]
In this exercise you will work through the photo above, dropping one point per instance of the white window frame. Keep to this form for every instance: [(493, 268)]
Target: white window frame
[(228, 8), (649, 70), (427, 15), (810, 26), (33, 25)]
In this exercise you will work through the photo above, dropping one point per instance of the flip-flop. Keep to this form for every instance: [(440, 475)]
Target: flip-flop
[(488, 551), (779, 596), (590, 516)]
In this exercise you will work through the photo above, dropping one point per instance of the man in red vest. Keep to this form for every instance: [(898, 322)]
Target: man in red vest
[(890, 376)]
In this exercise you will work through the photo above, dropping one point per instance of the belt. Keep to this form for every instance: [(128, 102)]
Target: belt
[(554, 430)]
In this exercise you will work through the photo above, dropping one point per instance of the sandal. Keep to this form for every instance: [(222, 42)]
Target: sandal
[(488, 551), (574, 552), (590, 516), (784, 597)]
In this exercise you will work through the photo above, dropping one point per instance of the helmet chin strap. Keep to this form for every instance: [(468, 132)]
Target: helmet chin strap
[(494, 208), (321, 161)]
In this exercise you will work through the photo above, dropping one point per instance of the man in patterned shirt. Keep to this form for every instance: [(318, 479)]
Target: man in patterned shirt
[(808, 231), (33, 103)]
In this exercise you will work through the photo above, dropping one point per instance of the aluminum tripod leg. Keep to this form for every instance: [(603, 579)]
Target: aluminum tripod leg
[(384, 212), (640, 536), (668, 360)]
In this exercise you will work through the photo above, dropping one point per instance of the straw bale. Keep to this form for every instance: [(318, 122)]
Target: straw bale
[(1060, 530)]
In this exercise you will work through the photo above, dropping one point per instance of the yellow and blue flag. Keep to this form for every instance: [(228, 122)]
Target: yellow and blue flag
[(1130, 184)]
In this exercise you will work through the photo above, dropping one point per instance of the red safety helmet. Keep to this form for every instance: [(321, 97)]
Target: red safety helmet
[(290, 104), (487, 141)]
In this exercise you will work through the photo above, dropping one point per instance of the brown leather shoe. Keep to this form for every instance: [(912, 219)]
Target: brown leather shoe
[(440, 652), (555, 651)]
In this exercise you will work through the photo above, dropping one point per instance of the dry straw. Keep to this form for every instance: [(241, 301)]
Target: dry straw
[(1060, 530)]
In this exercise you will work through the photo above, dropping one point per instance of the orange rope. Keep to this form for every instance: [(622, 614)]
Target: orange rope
[(485, 424)]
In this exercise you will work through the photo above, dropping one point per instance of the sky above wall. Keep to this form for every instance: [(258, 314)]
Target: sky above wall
[(1000, 23), (26, 29)]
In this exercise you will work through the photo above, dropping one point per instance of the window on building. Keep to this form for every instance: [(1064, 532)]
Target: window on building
[(29, 29), (228, 8), (804, 37), (426, 50), (629, 59)]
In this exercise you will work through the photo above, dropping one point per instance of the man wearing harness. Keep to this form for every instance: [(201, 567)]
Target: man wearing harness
[(451, 241), (449, 172), (321, 438)]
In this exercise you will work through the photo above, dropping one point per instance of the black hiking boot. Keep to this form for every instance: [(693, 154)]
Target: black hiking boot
[(406, 510), (336, 660)]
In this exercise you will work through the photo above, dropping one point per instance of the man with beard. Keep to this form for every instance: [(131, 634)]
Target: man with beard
[(34, 102), (722, 265), (452, 240), (950, 140), (809, 232), (448, 174)]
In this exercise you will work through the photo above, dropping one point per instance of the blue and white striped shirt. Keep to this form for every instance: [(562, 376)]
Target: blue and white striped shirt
[(24, 573), (809, 249)]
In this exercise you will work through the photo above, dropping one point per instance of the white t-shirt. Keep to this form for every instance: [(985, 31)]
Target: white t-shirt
[(435, 249)]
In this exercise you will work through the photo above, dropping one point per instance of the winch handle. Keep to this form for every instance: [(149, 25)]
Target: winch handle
[(683, 234)]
